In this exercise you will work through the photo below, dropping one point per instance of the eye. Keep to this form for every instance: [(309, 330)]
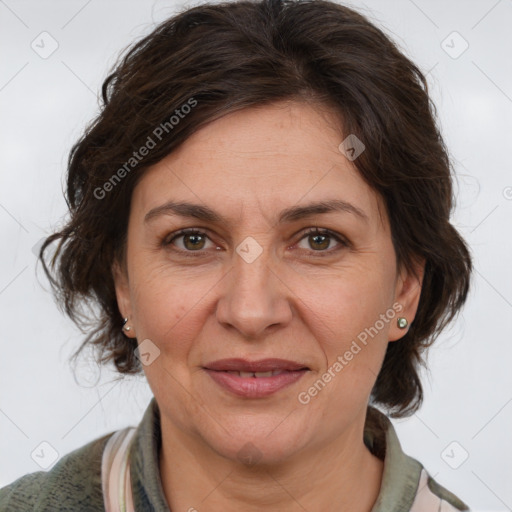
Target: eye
[(193, 240), (319, 240)]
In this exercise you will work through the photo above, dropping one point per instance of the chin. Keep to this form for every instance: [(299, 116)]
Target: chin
[(256, 445)]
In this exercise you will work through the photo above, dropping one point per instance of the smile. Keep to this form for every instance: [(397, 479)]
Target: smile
[(255, 384)]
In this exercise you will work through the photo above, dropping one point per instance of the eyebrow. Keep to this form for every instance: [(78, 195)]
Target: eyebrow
[(288, 215)]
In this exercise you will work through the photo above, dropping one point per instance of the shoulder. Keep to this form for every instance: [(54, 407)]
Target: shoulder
[(74, 483), (430, 491), (406, 486)]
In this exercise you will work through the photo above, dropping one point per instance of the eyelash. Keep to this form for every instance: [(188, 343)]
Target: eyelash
[(311, 231)]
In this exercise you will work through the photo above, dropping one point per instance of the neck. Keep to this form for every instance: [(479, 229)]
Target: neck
[(339, 475)]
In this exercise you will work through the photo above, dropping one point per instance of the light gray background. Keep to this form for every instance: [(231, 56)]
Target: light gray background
[(45, 104)]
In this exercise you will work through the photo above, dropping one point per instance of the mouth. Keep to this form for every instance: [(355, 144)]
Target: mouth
[(258, 375), (257, 366), (255, 379)]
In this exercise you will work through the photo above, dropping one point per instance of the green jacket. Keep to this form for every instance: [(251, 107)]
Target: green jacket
[(74, 483)]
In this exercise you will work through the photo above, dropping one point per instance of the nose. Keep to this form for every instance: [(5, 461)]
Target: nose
[(254, 298)]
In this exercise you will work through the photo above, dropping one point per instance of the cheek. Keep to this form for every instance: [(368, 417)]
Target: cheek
[(168, 304), (344, 317), (343, 304)]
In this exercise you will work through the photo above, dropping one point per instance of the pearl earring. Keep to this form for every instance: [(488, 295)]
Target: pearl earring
[(402, 322), (126, 327)]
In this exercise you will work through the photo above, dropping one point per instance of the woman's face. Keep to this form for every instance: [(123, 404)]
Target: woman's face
[(256, 285)]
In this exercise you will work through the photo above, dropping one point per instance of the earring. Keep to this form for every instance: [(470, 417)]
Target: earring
[(126, 327), (402, 322)]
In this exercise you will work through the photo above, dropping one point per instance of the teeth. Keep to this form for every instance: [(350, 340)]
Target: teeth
[(264, 374), (270, 373)]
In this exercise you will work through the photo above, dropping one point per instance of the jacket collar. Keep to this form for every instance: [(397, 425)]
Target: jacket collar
[(399, 480)]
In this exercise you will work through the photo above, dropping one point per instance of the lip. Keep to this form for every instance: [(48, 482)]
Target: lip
[(255, 387), (262, 365)]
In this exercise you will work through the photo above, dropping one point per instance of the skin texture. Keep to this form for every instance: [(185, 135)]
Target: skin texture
[(290, 302)]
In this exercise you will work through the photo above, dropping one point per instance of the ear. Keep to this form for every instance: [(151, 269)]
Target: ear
[(121, 283), (407, 295)]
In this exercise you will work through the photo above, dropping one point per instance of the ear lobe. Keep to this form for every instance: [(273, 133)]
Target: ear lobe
[(407, 294)]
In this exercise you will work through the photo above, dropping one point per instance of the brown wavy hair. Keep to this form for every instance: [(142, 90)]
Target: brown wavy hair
[(233, 55)]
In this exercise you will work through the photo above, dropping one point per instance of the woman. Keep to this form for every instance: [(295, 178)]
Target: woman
[(261, 213)]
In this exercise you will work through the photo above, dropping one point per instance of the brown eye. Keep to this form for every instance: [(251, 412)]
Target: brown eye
[(321, 241), (192, 240)]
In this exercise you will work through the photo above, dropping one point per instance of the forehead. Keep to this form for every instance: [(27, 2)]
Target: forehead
[(264, 158)]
